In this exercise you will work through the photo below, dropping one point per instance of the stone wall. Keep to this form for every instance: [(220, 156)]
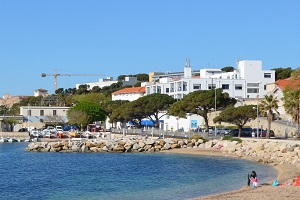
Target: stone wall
[(14, 134)]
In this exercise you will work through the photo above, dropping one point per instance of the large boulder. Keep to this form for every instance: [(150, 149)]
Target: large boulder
[(150, 142), (118, 148), (75, 148)]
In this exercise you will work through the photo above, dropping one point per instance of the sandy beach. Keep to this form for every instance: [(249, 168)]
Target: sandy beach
[(286, 173)]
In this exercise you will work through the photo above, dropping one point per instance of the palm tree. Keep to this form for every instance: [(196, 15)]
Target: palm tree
[(269, 105), (291, 105)]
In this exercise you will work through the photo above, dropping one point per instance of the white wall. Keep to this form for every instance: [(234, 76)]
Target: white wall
[(127, 96)]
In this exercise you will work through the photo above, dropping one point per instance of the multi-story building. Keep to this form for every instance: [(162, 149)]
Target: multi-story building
[(40, 92), (130, 80), (38, 116), (247, 81)]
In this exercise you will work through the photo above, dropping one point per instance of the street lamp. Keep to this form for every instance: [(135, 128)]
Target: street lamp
[(257, 113), (215, 111), (28, 117)]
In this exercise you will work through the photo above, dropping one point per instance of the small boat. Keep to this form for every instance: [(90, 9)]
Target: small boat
[(11, 140), (3, 140)]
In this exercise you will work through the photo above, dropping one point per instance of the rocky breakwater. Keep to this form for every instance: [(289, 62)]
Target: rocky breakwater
[(141, 144), (263, 151)]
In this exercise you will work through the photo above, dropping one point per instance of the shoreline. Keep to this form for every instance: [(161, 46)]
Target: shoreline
[(285, 173)]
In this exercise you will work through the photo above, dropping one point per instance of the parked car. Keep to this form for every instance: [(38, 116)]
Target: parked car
[(246, 132), (23, 130), (222, 131), (264, 133)]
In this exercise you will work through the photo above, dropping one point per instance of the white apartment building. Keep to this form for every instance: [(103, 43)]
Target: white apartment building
[(247, 81), (128, 80), (101, 83)]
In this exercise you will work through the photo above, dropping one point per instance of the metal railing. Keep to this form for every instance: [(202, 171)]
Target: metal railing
[(161, 133)]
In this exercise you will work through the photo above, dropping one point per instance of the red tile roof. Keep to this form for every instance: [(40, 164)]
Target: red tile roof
[(289, 82), (131, 90)]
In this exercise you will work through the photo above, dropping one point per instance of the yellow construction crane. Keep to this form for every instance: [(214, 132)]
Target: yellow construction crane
[(56, 74)]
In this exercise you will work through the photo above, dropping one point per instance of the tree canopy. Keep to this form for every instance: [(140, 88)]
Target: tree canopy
[(238, 116), (228, 69), (202, 102), (91, 109)]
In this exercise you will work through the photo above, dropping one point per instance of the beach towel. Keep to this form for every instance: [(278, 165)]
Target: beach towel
[(275, 183), (297, 183)]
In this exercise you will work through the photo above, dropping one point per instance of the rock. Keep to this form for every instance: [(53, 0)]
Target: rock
[(141, 144), (157, 147), (208, 144), (104, 148), (119, 148), (167, 146), (127, 146), (136, 146), (75, 148), (200, 141), (84, 148), (174, 146), (94, 149), (149, 142)]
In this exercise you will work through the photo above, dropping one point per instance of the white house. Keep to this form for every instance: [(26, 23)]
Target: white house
[(40, 92), (129, 94)]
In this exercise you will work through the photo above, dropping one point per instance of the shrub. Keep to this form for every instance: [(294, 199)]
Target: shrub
[(197, 137), (227, 137)]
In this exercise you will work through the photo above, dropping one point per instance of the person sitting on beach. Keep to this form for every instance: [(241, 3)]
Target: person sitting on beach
[(252, 176)]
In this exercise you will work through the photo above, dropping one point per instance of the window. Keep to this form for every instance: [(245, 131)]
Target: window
[(225, 86), (252, 90), (197, 86), (267, 75), (211, 86), (54, 112), (265, 87), (154, 89), (252, 84), (158, 89), (184, 86), (167, 90), (148, 90), (41, 112), (238, 86)]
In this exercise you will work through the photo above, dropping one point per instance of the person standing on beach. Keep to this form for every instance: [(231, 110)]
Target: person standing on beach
[(251, 177)]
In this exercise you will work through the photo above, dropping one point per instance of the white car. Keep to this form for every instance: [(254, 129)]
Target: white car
[(59, 129), (35, 133)]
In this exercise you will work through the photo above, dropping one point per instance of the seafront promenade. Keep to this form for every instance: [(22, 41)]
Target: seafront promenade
[(14, 134)]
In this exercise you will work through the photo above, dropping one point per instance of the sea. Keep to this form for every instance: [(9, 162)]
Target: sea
[(110, 176)]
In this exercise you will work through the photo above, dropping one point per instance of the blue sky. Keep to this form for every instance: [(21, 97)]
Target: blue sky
[(116, 37)]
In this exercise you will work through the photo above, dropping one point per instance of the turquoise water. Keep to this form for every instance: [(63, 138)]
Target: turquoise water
[(78, 176)]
